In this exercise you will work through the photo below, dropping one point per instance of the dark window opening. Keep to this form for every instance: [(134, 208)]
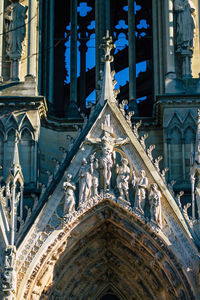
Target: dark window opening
[(86, 53)]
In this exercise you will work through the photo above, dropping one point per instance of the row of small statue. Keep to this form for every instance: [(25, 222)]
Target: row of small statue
[(89, 184)]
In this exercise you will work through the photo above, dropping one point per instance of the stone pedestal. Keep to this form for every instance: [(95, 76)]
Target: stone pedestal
[(14, 70), (186, 56)]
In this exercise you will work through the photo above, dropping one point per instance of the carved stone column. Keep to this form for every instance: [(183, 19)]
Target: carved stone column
[(169, 28), (169, 158), (72, 110), (1, 38), (97, 37), (32, 31), (21, 202), (83, 49), (102, 19), (73, 52), (13, 212), (166, 155), (51, 52), (132, 56), (183, 157)]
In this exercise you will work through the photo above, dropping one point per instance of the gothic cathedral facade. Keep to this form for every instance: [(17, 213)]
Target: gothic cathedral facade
[(99, 149)]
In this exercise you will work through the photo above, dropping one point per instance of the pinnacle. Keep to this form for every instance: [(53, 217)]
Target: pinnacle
[(107, 86)]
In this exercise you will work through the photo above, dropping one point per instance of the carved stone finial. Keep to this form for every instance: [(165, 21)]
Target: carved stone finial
[(170, 187), (136, 127), (156, 163), (107, 46), (163, 174), (185, 211), (178, 198), (107, 84), (149, 151), (142, 141), (129, 117)]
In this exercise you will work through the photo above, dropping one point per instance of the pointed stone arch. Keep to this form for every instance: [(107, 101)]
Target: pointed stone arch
[(109, 290), (11, 123), (189, 121), (106, 246), (26, 124), (174, 122), (26, 130)]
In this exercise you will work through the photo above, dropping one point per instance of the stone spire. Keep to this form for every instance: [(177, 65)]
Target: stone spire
[(107, 86), (16, 164), (14, 190)]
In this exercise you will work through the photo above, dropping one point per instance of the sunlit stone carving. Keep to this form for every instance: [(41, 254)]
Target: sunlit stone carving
[(69, 188), (123, 177), (155, 205), (140, 195)]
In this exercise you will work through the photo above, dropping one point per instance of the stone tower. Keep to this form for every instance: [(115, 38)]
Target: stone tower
[(99, 179)]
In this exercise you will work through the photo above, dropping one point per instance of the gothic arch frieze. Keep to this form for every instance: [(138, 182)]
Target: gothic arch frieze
[(114, 242)]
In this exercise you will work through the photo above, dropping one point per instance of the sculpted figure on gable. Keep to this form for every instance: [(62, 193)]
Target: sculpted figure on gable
[(69, 188), (107, 143), (95, 174), (155, 204), (85, 181), (141, 189), (123, 177)]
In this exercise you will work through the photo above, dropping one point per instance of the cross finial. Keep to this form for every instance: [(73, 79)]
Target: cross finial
[(107, 46)]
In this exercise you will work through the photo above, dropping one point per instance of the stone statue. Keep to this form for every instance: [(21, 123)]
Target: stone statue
[(107, 144), (8, 276), (10, 254), (140, 194), (95, 174), (155, 204), (185, 25), (69, 189), (107, 147), (134, 180), (85, 181), (197, 195), (123, 177), (15, 16)]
